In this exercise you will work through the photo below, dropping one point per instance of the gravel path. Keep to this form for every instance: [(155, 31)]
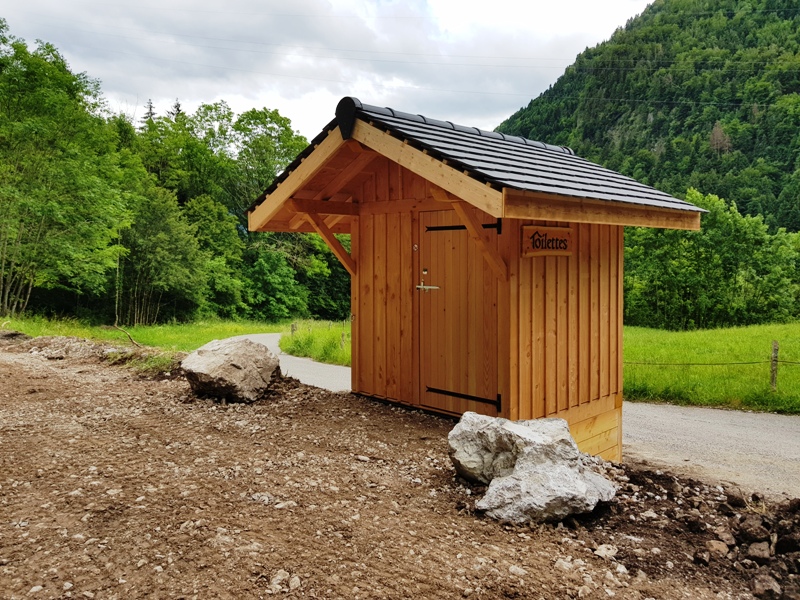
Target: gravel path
[(754, 450)]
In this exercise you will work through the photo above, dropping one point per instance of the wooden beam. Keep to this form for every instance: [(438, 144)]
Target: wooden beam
[(323, 208), (470, 190), (334, 244), (297, 221), (283, 226), (531, 205), (272, 204), (476, 232), (398, 206)]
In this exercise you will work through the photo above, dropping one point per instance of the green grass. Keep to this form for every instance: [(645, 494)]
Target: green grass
[(183, 337), (741, 386), (324, 341), (728, 385)]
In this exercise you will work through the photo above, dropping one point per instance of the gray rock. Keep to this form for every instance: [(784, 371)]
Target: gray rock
[(764, 586), (234, 369), (759, 552), (534, 469), (717, 549)]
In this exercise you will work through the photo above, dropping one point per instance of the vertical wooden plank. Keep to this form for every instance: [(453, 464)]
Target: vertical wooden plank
[(573, 325), (508, 324), (379, 287), (562, 333), (486, 348), (594, 314), (526, 350), (406, 300), (551, 339), (539, 333), (416, 338), (613, 323), (355, 307), (382, 166), (584, 310), (447, 352), (366, 315), (393, 257), (605, 313), (474, 369), (620, 320), (427, 324)]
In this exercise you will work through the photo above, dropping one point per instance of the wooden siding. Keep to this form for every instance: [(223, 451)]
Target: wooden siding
[(569, 336), (385, 358), (559, 317)]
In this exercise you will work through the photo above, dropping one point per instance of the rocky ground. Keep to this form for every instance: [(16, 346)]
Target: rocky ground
[(117, 486)]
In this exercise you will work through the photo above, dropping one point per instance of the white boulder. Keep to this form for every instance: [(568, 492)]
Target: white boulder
[(233, 369), (534, 469)]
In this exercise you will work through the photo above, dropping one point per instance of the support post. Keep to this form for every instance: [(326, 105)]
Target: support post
[(773, 375)]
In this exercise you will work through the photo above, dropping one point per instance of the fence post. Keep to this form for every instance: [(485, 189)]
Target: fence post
[(773, 375), (343, 343), (294, 328)]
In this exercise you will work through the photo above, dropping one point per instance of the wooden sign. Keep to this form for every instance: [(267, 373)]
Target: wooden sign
[(546, 241)]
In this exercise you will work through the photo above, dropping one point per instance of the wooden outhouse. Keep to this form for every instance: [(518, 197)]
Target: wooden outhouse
[(486, 269)]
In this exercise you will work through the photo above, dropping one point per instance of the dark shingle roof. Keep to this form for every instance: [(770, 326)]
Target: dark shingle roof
[(495, 158), (507, 161)]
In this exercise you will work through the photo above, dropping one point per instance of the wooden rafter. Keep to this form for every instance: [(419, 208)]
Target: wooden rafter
[(336, 247), (297, 221), (531, 205), (264, 212), (463, 186)]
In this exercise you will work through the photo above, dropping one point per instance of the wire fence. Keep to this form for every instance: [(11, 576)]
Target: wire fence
[(767, 384)]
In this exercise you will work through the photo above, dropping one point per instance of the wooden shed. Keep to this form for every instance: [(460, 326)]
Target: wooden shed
[(486, 269)]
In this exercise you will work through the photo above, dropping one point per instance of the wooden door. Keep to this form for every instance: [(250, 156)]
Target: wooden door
[(457, 295)]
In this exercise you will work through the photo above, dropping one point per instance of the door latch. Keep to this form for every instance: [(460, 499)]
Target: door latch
[(426, 288)]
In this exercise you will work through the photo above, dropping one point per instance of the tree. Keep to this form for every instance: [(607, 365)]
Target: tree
[(163, 267), (60, 210), (149, 112), (731, 272), (217, 236)]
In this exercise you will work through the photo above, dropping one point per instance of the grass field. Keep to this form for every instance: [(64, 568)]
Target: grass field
[(674, 374), (183, 337), (706, 368), (324, 341), (687, 367)]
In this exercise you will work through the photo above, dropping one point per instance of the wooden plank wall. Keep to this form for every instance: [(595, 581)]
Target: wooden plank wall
[(567, 353), (383, 362)]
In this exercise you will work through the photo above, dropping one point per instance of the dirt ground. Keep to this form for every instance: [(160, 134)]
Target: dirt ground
[(117, 486)]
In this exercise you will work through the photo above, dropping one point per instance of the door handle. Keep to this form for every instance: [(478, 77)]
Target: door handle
[(426, 288)]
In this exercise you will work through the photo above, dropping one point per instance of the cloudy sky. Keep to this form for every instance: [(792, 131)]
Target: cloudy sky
[(473, 62)]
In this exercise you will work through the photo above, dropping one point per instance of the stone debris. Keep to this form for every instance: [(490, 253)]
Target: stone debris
[(237, 370), (534, 469)]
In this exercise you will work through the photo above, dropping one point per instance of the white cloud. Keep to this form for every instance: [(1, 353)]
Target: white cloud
[(468, 61)]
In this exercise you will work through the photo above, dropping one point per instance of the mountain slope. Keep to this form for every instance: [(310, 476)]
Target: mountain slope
[(691, 93)]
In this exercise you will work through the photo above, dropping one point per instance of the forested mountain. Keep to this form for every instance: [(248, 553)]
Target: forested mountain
[(141, 222), (691, 93), (701, 99)]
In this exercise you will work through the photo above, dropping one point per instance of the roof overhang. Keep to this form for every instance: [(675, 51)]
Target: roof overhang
[(313, 189), (530, 205)]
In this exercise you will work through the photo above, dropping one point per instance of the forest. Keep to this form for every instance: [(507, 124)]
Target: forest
[(700, 99), (131, 223), (117, 221)]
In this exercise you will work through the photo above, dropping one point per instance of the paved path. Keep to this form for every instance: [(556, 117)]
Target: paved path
[(329, 377), (760, 452)]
